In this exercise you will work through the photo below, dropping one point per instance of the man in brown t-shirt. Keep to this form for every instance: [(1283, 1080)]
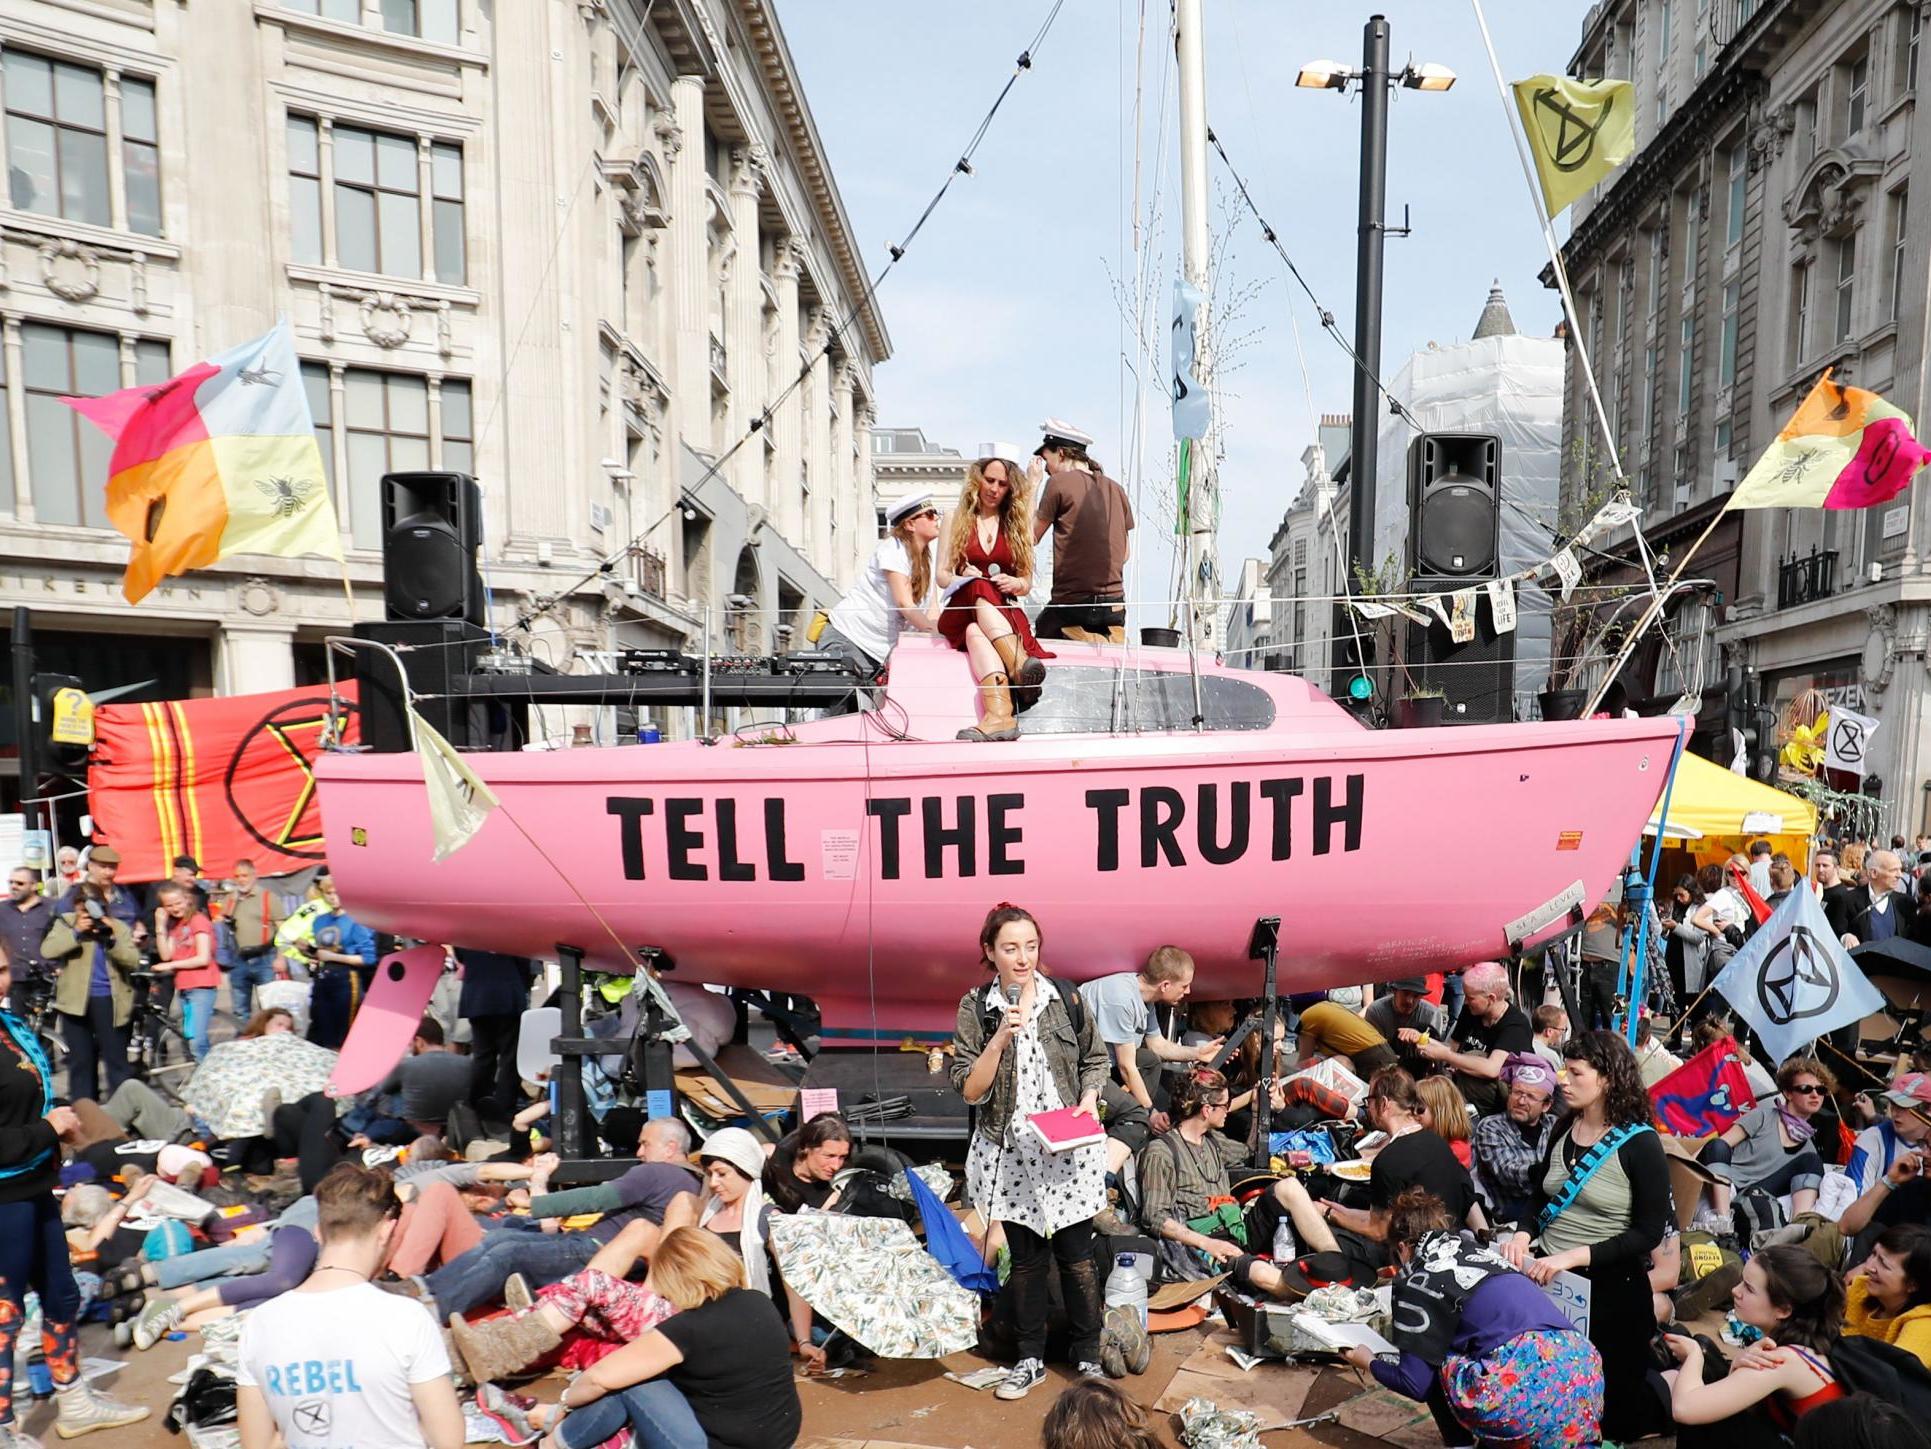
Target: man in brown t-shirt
[(1090, 518)]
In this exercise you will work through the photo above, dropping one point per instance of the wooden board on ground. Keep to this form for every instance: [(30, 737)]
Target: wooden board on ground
[(763, 1085), (1274, 1390)]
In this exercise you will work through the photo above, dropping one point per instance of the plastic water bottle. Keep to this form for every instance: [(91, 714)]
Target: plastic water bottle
[(1125, 1288), (1284, 1241)]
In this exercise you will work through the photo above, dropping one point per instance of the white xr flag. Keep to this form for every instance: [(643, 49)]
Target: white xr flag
[(459, 802), (1847, 744), (1794, 982)]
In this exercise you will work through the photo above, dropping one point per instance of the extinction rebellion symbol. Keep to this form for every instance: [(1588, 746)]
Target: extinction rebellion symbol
[(1569, 132), (1799, 979), (1847, 737)]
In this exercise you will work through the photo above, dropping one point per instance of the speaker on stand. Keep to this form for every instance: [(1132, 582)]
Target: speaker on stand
[(1454, 543)]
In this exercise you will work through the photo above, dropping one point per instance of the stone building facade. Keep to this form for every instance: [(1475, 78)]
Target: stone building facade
[(574, 248)]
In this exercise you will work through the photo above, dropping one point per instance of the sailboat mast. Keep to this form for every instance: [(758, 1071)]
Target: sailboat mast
[(1201, 583)]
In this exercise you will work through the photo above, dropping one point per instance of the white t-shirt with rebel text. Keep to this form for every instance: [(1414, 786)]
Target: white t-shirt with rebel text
[(335, 1368)]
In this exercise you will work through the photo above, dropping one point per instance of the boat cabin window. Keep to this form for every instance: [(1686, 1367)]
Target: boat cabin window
[(1081, 700)]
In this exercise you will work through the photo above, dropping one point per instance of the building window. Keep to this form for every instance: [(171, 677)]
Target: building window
[(1722, 448), (321, 411), (458, 427), (1699, 59), (1658, 275), (1899, 204), (347, 11), (433, 20), (1806, 121), (1649, 393), (305, 189), (379, 202), (1856, 94), (140, 156), (66, 455), (386, 424), (1799, 313), (1662, 34), (1738, 199), (1685, 360), (1846, 287), (1911, 26), (1726, 357), (56, 137)]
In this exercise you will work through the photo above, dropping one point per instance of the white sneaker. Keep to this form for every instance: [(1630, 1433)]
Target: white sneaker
[(1025, 1375), (83, 1409)]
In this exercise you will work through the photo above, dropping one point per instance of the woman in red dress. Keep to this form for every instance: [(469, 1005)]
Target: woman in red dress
[(989, 545)]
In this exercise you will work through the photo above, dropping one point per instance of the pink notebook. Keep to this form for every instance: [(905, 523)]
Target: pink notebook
[(1066, 1129)]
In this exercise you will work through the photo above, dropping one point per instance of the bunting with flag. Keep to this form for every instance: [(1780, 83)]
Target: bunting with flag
[(218, 461), (1579, 131), (1845, 448), (459, 802)]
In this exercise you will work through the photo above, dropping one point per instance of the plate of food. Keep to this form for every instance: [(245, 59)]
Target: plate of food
[(1353, 1170)]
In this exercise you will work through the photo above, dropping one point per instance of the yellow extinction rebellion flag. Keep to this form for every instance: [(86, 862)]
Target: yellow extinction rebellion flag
[(1579, 131)]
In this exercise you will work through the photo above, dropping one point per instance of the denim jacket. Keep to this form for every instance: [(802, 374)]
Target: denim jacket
[(1076, 1057)]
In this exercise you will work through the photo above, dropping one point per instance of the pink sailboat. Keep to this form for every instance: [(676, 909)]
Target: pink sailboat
[(851, 859)]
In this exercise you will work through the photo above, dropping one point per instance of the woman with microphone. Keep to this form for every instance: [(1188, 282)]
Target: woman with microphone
[(1023, 1046)]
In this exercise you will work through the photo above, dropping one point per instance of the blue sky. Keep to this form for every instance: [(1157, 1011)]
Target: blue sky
[(1013, 303)]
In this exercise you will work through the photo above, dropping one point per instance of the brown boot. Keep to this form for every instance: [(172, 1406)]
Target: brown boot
[(995, 720), (1022, 669), (501, 1347)]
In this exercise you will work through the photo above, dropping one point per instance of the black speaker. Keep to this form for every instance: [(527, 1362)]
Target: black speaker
[(1477, 679), (432, 530), (434, 654), (1454, 505)]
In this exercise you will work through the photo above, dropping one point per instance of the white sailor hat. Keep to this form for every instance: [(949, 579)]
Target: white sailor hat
[(1059, 433), (907, 506)]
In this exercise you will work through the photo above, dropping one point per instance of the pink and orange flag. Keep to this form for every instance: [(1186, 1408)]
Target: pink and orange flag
[(1845, 448), (218, 461)]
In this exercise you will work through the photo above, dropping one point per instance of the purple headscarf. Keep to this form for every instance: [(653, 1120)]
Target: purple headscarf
[(1529, 1070)]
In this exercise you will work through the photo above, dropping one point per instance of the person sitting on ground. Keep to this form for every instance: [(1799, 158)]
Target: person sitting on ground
[(659, 1193), (1481, 1340), (1413, 1157), (894, 592), (1512, 1143), (1492, 1030), (1769, 1148), (1404, 1006), (1798, 1306), (1094, 1414), (1906, 1105), (336, 1361), (717, 1373), (987, 552), (1654, 1060), (1601, 1207), (1713, 1029), (416, 1096), (734, 1208), (1551, 1031), (1329, 1029), (1888, 1295), (1186, 1195), (1447, 1116), (800, 1172), (1122, 1006)]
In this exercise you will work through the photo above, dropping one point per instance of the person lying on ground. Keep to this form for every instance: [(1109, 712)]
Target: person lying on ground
[(337, 1362), (717, 1373), (261, 1271), (659, 1193)]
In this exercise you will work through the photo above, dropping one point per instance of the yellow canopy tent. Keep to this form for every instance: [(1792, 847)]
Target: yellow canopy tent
[(1714, 812)]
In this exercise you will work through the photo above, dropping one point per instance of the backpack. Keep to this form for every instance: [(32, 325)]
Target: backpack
[(1872, 1366)]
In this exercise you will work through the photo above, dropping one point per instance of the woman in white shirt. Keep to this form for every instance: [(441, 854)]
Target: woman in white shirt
[(893, 593)]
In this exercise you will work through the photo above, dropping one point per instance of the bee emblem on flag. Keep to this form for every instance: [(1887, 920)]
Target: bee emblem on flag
[(288, 495)]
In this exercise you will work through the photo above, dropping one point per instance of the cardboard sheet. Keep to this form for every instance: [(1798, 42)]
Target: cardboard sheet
[(1273, 1390)]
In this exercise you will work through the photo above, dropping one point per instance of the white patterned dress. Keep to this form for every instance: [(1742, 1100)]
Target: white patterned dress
[(1020, 1180)]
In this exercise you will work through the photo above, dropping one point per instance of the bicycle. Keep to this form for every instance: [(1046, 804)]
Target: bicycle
[(148, 1031)]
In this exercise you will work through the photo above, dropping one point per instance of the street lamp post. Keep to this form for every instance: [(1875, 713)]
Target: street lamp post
[(1374, 77)]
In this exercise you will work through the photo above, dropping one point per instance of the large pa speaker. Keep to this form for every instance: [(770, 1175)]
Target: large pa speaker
[(435, 653), (1477, 679), (432, 530), (1454, 505)]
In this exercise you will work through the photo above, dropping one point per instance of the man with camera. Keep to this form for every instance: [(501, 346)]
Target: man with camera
[(94, 993)]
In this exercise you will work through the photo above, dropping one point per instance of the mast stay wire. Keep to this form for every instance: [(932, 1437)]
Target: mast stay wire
[(547, 604)]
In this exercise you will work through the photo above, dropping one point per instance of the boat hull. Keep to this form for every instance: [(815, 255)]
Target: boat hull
[(857, 871)]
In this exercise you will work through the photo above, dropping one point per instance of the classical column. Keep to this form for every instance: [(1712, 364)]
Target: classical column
[(744, 342), (835, 561), (689, 264), (864, 485), (116, 172), (325, 165), (16, 399), (426, 205), (816, 397), (254, 659), (788, 508)]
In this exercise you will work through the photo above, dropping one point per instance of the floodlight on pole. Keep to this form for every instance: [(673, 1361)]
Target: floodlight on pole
[(1326, 75), (1427, 76)]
